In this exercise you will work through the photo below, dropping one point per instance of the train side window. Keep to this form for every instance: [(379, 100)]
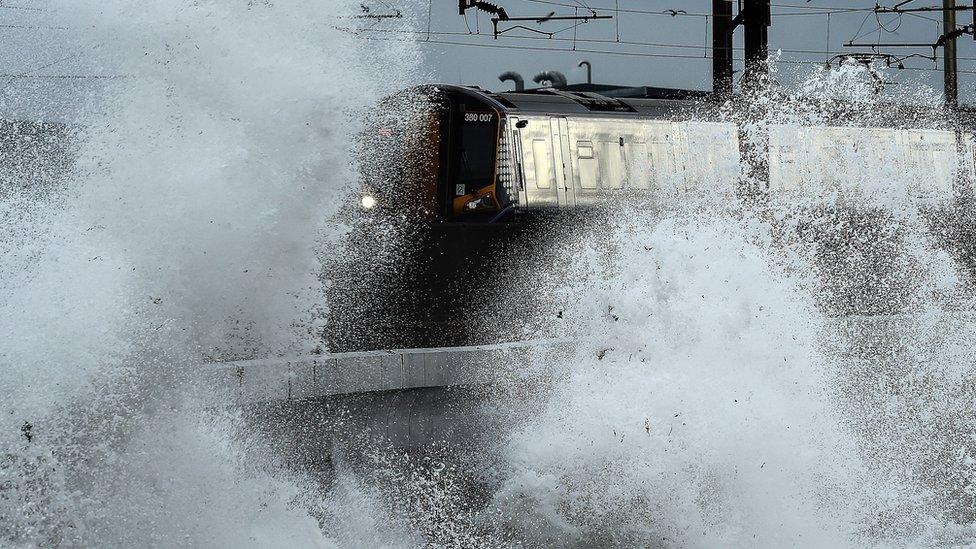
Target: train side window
[(542, 158), (584, 149), (944, 164), (589, 166), (663, 165)]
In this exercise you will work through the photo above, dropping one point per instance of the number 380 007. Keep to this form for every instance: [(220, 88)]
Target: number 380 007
[(477, 117)]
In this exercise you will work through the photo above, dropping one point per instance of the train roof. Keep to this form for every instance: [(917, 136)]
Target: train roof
[(585, 102), (648, 102)]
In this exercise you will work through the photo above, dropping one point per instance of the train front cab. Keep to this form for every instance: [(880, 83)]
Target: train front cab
[(472, 154), (457, 257), (429, 162)]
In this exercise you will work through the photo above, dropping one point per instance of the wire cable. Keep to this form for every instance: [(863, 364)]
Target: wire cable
[(811, 10), (664, 45), (624, 53)]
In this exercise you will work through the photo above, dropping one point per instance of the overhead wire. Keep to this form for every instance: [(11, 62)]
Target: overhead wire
[(881, 24), (31, 27), (64, 76), (812, 10), (664, 45), (808, 10), (27, 72), (827, 11), (624, 53), (582, 5), (24, 8)]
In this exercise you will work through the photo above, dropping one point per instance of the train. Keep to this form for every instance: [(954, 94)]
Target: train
[(463, 189), (472, 155)]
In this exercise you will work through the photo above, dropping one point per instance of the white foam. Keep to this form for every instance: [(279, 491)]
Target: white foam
[(204, 170)]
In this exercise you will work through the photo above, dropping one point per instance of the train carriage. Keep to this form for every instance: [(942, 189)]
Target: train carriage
[(470, 165), (499, 155), (470, 155)]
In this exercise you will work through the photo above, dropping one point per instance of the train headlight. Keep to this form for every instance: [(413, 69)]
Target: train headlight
[(368, 202)]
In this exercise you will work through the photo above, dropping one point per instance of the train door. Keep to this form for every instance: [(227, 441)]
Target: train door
[(583, 162), (560, 153), (712, 156), (968, 160), (539, 164), (667, 172), (934, 155), (518, 163)]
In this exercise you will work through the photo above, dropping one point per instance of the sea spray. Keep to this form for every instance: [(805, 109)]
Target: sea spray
[(202, 169), (782, 371), (692, 412), (711, 397)]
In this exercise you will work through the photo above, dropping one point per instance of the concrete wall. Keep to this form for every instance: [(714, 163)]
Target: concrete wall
[(329, 375)]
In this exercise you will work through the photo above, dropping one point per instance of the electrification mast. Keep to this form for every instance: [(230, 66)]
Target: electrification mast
[(757, 22), (755, 17), (722, 47), (949, 54)]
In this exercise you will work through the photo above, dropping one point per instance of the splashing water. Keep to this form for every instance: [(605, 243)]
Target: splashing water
[(701, 409), (183, 230), (693, 416), (795, 374), (719, 392)]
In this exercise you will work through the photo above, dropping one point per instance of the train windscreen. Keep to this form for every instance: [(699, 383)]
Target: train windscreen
[(478, 140)]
